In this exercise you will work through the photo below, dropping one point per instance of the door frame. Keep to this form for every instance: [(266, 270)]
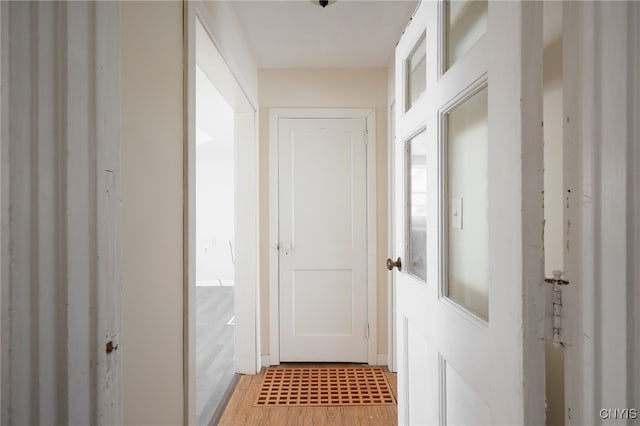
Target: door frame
[(601, 81), (372, 299), (246, 289), (392, 358)]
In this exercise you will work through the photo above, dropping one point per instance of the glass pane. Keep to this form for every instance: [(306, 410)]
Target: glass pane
[(416, 205), (468, 225), (466, 22), (416, 72)]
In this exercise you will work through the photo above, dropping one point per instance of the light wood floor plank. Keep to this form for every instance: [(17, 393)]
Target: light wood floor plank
[(246, 404), (232, 410)]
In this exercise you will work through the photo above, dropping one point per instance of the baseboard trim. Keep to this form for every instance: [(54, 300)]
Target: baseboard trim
[(382, 359), (265, 361)]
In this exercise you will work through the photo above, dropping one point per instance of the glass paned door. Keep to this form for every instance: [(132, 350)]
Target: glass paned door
[(467, 196)]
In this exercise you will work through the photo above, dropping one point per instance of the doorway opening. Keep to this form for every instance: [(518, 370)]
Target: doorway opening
[(324, 237), (221, 214), (215, 242)]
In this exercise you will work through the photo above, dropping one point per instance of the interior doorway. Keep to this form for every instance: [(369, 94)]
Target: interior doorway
[(322, 226), (322, 239), (215, 242), (221, 214)]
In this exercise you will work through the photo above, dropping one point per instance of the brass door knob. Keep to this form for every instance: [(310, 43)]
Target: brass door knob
[(391, 264)]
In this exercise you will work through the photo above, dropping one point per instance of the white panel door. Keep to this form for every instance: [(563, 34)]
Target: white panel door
[(322, 233), (468, 215)]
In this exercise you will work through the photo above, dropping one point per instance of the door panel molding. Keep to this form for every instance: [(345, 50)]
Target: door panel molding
[(276, 114)]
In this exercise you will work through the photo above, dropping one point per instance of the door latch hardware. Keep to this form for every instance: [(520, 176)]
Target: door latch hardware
[(111, 347), (285, 247), (397, 264), (557, 279)]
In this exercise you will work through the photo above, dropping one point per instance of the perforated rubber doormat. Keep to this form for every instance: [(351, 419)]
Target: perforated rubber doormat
[(325, 386)]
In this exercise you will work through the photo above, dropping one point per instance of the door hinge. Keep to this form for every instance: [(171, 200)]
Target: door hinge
[(366, 136), (557, 283), (367, 332)]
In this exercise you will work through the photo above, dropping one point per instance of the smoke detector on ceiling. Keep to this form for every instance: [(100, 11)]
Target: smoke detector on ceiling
[(323, 3)]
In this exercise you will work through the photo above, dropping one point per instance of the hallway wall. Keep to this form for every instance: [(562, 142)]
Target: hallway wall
[(152, 237), (152, 79), (324, 88)]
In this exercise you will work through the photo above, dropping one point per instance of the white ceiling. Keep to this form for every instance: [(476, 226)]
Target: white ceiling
[(346, 34)]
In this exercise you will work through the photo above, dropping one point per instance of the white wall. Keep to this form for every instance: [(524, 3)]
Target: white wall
[(325, 88), (60, 213), (601, 66), (553, 212), (152, 200)]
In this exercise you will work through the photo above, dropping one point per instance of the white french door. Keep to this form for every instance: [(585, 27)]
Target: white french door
[(468, 215), (322, 224)]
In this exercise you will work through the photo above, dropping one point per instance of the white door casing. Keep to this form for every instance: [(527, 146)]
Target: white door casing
[(465, 358), (61, 217), (601, 82), (322, 235)]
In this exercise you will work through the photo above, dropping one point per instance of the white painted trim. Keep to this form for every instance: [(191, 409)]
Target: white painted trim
[(382, 359), (265, 361), (372, 237), (61, 276), (392, 346), (274, 115), (274, 232), (246, 289), (602, 100), (189, 229), (516, 308), (572, 155)]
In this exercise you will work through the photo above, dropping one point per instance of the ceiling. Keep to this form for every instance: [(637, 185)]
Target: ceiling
[(346, 34)]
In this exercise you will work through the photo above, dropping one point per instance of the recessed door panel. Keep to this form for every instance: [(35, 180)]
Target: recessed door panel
[(326, 294), (464, 405), (323, 185)]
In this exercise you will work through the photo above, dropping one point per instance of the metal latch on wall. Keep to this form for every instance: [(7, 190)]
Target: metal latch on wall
[(557, 282), (111, 347)]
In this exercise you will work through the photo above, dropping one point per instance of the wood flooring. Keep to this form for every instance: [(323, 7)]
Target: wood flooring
[(241, 409)]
